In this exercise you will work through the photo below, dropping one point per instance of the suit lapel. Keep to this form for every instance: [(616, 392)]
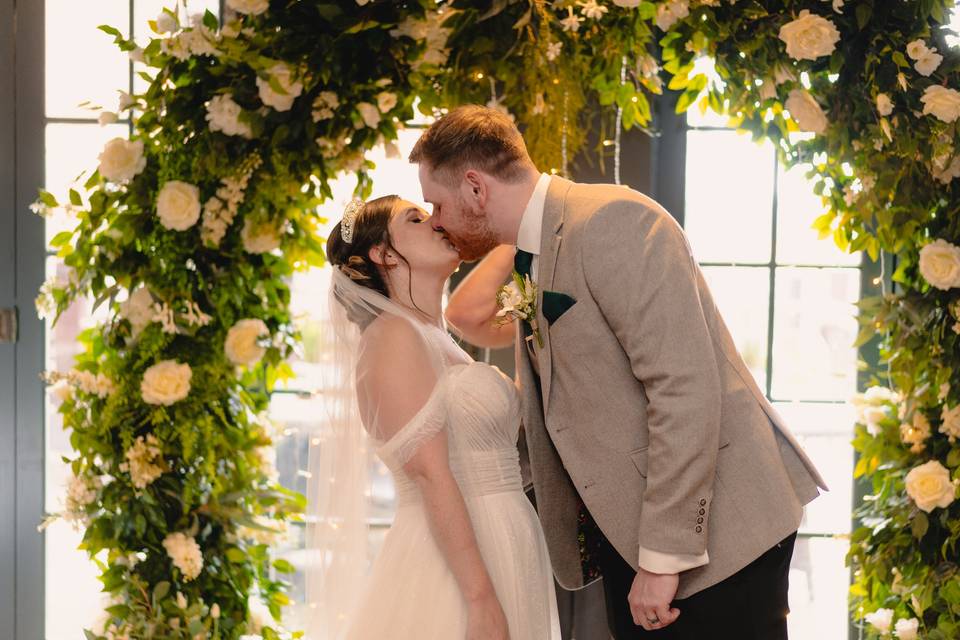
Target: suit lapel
[(553, 211)]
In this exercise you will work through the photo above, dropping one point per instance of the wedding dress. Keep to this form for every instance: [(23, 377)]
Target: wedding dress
[(411, 593)]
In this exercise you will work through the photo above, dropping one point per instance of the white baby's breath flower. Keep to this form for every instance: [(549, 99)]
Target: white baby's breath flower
[(553, 50), (950, 422), (107, 117), (809, 36), (942, 102), (806, 111), (185, 553), (166, 382), (178, 205), (121, 160), (144, 461), (242, 344), (167, 22), (940, 264), (915, 433), (929, 486), (592, 9), (571, 22), (282, 100), (627, 4), (881, 619)]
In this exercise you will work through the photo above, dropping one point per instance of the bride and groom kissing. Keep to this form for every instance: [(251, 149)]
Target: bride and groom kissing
[(656, 462)]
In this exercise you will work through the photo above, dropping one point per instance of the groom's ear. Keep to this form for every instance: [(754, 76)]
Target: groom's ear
[(476, 187)]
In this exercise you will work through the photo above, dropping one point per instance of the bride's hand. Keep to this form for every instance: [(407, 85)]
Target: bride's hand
[(486, 621)]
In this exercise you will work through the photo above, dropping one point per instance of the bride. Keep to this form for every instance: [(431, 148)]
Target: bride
[(465, 556)]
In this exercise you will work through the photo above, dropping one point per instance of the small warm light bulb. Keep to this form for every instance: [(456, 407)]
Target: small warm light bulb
[(607, 143), (633, 99), (479, 75), (876, 280)]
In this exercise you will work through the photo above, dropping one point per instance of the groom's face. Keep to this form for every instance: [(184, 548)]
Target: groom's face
[(462, 220)]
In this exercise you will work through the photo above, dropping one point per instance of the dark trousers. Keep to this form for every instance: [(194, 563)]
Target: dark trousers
[(749, 605)]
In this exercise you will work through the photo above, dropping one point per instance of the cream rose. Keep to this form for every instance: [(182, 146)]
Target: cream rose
[(370, 114), (881, 619), (950, 422), (806, 111), (241, 345), (940, 264), (178, 205), (138, 309), (121, 160), (223, 114), (166, 382), (916, 49), (929, 486), (942, 102), (928, 62), (386, 101), (281, 101), (249, 7), (259, 237), (809, 36), (884, 104), (670, 12), (906, 629)]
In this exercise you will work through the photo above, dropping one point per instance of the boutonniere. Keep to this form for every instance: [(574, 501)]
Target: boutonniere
[(518, 301)]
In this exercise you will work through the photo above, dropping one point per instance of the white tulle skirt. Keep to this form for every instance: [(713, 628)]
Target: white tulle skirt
[(412, 593)]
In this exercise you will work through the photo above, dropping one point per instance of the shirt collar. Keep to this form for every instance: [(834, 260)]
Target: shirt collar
[(531, 225)]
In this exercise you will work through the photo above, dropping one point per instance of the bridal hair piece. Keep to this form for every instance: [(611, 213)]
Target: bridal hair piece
[(350, 215)]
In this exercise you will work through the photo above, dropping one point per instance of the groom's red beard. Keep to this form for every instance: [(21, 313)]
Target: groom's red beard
[(476, 239)]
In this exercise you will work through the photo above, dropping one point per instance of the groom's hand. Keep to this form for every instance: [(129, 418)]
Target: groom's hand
[(650, 599)]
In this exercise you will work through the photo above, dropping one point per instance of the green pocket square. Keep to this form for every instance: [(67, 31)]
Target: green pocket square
[(556, 304)]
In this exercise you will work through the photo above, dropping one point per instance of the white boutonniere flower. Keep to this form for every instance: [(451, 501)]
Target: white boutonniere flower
[(518, 301)]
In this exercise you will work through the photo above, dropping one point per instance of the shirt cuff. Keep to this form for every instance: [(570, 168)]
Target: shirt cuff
[(670, 563)]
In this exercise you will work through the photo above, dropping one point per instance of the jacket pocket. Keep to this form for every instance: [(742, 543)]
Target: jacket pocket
[(640, 456)]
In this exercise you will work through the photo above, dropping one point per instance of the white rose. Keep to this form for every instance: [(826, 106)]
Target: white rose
[(223, 114), (916, 49), (386, 101), (138, 309), (930, 487), (107, 117), (669, 13), (167, 22), (942, 102), (291, 89), (809, 36), (928, 62), (511, 298), (178, 205), (950, 422), (166, 382), (884, 104), (259, 237), (906, 629), (249, 7), (370, 114), (940, 264), (806, 111), (881, 619), (241, 345), (121, 160), (185, 554)]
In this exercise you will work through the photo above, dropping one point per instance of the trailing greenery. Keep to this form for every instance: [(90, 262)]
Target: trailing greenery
[(188, 231)]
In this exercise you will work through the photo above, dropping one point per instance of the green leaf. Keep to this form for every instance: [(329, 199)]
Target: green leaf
[(919, 525), (161, 590), (110, 30), (75, 198), (47, 198), (210, 20), (953, 458), (283, 566), (363, 25), (61, 239), (864, 11)]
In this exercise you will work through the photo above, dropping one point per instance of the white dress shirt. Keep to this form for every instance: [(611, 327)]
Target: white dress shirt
[(528, 239)]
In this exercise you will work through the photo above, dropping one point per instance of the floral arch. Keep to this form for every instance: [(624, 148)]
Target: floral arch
[(222, 182)]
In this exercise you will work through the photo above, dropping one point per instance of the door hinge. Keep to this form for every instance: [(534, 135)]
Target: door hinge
[(8, 324)]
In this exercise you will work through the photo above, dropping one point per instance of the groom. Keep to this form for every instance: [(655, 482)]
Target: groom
[(655, 458)]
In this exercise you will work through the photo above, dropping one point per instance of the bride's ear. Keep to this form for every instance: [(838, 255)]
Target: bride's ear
[(381, 255)]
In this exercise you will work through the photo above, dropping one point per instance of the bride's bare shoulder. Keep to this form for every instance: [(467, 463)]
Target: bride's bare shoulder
[(392, 338)]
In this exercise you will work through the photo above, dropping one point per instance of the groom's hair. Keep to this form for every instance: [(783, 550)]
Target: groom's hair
[(473, 137)]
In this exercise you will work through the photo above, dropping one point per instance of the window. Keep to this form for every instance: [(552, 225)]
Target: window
[(788, 299)]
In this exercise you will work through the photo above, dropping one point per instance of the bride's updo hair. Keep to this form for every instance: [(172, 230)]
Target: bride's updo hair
[(370, 229)]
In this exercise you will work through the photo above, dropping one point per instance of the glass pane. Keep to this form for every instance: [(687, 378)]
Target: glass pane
[(73, 593), (72, 149), (797, 207), (729, 197), (814, 329), (743, 296), (818, 589), (824, 431), (82, 62)]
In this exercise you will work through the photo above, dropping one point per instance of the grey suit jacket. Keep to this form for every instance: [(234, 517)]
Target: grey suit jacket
[(643, 406)]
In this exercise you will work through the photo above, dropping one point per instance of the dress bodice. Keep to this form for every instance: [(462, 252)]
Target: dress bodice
[(479, 408)]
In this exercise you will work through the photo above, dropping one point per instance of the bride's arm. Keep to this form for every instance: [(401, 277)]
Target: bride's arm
[(472, 310)]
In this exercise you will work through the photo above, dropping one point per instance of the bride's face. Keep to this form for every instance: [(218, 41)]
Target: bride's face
[(425, 250)]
